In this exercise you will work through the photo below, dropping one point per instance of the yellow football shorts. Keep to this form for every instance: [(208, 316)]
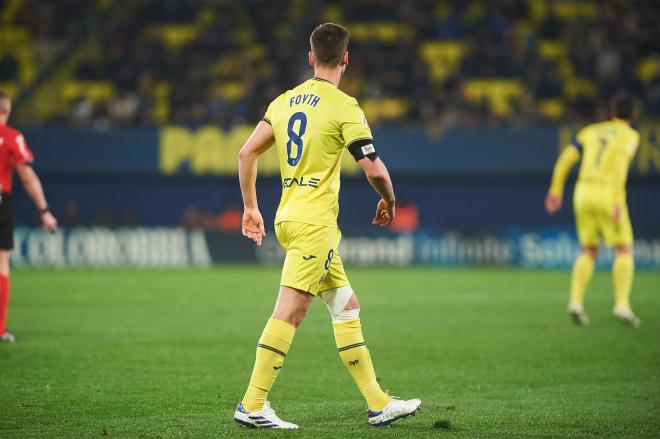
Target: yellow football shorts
[(312, 261), (593, 218)]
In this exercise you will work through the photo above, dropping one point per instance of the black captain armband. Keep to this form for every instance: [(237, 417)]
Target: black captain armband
[(362, 148), (577, 144)]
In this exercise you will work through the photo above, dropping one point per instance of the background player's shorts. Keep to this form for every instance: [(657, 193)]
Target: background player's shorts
[(312, 262), (593, 218), (6, 222)]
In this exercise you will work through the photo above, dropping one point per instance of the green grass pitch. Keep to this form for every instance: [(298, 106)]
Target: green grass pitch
[(169, 353)]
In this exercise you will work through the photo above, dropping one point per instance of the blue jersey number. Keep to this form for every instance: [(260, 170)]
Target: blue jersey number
[(601, 150), (295, 137)]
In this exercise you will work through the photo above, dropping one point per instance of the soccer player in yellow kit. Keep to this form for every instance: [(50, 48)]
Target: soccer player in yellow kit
[(606, 149), (311, 126)]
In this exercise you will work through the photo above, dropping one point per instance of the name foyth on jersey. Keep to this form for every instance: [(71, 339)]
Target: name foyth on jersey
[(309, 98)]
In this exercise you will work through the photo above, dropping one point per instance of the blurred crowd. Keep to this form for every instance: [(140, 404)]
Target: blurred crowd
[(221, 62), (74, 215)]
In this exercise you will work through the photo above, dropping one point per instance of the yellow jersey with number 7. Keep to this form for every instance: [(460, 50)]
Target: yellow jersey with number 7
[(313, 124), (607, 149)]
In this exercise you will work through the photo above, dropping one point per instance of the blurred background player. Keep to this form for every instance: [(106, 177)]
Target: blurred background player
[(606, 149), (311, 125), (14, 153)]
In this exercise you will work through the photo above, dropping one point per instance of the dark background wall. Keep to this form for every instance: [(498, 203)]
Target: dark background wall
[(465, 179)]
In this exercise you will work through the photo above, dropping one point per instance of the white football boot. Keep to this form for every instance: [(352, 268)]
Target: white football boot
[(7, 337), (579, 317), (264, 418), (626, 316), (395, 409)]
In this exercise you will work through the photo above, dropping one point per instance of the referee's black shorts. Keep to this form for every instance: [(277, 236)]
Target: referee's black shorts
[(6, 222)]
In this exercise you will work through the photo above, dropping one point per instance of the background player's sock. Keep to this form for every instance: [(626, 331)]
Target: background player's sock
[(354, 353), (4, 302), (272, 348), (583, 269), (623, 271)]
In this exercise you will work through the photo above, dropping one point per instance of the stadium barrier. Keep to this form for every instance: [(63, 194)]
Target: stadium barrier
[(177, 247), (211, 151)]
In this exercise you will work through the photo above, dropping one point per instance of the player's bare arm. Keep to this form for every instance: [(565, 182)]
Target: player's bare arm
[(261, 139), (33, 187), (568, 157), (380, 180)]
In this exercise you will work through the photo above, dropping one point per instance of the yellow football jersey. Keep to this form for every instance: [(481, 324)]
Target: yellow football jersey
[(313, 123), (607, 149)]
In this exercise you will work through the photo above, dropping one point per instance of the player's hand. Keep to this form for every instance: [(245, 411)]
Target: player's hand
[(48, 222), (253, 225), (552, 203), (616, 213), (384, 214)]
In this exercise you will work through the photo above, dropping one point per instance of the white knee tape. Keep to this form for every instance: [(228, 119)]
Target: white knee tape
[(336, 300), (347, 314)]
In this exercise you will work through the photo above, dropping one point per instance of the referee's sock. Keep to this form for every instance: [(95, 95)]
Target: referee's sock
[(356, 358), (273, 346), (4, 302)]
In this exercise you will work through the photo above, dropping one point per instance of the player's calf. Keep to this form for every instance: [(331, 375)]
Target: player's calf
[(345, 312)]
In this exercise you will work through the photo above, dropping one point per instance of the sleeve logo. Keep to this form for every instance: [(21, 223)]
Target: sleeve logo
[(364, 121), (368, 149)]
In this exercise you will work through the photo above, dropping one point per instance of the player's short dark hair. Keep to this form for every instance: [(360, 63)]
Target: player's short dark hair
[(329, 41), (622, 106)]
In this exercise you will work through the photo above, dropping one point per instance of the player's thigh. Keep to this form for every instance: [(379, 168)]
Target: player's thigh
[(310, 250), (587, 224), (336, 275), (620, 232)]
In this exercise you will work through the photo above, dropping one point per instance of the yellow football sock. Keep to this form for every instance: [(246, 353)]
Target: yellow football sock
[(623, 272), (355, 355), (583, 269), (272, 348)]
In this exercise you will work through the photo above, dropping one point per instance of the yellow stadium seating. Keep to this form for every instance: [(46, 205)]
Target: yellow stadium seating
[(442, 57), (551, 108), (95, 91), (577, 86), (9, 87), (385, 108), (497, 92), (385, 32), (175, 36), (649, 68)]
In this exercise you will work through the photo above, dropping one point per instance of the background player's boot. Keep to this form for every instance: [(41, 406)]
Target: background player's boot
[(626, 316), (7, 337), (579, 317), (395, 409), (264, 418)]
